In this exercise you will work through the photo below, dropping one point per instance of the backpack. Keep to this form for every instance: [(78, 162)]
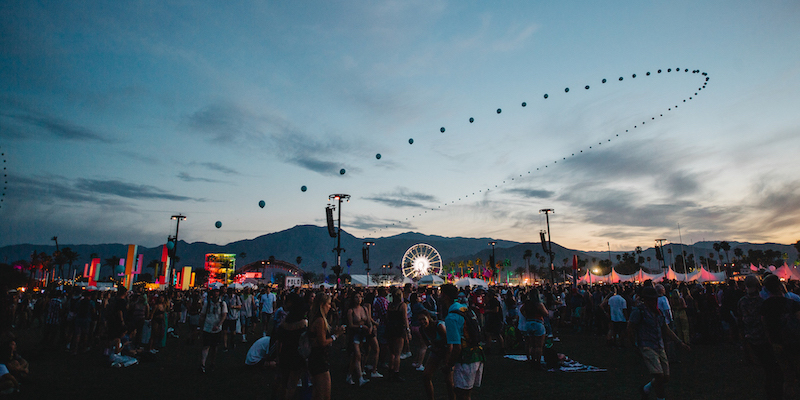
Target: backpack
[(304, 346), (472, 329), (790, 328)]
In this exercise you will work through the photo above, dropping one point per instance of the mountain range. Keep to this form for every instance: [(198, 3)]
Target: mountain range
[(314, 245)]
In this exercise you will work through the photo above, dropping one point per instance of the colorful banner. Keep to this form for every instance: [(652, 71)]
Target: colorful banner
[(186, 277), (162, 278), (138, 269)]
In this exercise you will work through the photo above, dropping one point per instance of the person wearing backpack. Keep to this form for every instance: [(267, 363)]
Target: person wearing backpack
[(780, 315), (465, 355)]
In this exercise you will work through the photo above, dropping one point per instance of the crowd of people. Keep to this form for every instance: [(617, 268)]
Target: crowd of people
[(446, 332)]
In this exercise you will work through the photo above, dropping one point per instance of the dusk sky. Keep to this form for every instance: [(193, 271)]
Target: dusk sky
[(116, 115)]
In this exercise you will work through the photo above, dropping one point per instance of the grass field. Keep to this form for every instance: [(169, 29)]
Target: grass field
[(707, 372)]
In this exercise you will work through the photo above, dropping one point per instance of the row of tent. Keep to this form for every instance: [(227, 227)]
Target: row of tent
[(701, 275)]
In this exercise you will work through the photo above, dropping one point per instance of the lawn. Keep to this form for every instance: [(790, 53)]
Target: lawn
[(707, 372)]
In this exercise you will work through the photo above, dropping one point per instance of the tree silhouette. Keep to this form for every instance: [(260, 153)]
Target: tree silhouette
[(725, 246), (69, 256)]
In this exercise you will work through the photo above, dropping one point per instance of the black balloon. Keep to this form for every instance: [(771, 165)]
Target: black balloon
[(342, 171), (524, 104), (410, 141), (669, 69), (659, 71), (634, 75), (378, 156), (499, 111), (471, 120), (620, 78), (566, 90), (604, 80), (441, 129), (545, 95), (648, 74), (586, 87)]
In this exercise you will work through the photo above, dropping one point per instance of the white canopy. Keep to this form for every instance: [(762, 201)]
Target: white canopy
[(430, 280), (472, 282), (361, 280)]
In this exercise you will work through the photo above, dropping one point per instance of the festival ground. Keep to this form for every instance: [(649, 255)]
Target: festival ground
[(707, 372)]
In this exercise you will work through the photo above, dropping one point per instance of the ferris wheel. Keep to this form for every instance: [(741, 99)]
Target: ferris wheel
[(420, 260)]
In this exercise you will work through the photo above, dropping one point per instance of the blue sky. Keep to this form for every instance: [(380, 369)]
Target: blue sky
[(116, 115)]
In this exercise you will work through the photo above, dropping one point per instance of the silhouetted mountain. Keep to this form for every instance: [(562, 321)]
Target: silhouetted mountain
[(314, 245)]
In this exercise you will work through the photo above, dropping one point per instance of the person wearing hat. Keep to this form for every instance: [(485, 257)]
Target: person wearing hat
[(648, 326)]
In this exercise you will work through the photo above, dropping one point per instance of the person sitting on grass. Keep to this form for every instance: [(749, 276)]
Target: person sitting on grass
[(122, 351)]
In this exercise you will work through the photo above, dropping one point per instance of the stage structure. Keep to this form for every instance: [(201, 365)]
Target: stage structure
[(220, 267)]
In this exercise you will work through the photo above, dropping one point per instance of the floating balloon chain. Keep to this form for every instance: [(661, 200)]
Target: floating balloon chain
[(546, 96), (5, 177)]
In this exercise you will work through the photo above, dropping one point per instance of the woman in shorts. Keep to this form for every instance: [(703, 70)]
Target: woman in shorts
[(534, 312)]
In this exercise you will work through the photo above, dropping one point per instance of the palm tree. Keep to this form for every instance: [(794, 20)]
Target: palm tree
[(738, 253), (461, 267), (527, 258), (469, 266), (649, 264), (725, 246), (112, 262), (718, 249), (479, 264), (58, 262), (69, 256)]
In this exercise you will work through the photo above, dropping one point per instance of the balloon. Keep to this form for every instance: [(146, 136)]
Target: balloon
[(170, 245), (620, 78), (378, 156), (119, 269), (566, 90), (499, 111), (669, 69), (218, 224), (634, 75), (411, 141), (303, 188), (342, 171), (441, 129), (659, 71), (471, 120), (545, 95), (524, 104), (586, 87), (648, 73), (604, 80), (262, 203)]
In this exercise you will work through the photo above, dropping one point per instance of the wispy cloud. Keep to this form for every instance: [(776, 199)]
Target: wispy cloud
[(528, 193), (368, 222), (188, 178), (126, 190), (216, 167), (28, 123), (403, 197)]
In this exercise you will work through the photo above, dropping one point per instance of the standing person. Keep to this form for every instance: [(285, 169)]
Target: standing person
[(234, 304), (358, 326), (373, 347), (397, 332), (246, 315), (379, 307), (493, 317), (534, 312), (321, 340), (464, 355), (434, 335), (158, 320), (52, 319), (212, 316), (267, 300), (617, 308), (755, 338), (287, 335), (648, 326), (776, 312)]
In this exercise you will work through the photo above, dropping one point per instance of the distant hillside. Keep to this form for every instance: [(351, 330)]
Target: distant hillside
[(313, 244)]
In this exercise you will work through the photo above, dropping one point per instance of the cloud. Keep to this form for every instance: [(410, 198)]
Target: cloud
[(403, 197), (48, 189), (528, 193), (216, 167), (126, 190), (27, 121), (367, 222), (188, 178), (230, 124)]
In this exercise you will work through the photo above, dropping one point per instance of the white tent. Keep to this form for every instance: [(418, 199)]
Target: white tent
[(361, 280), (430, 280), (323, 285), (472, 282)]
